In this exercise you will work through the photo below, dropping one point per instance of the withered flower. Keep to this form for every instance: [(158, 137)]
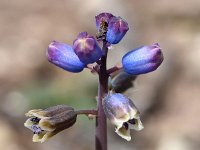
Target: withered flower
[(46, 123)]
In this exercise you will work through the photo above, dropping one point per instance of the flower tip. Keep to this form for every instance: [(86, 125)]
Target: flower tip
[(82, 35), (40, 138), (127, 138), (156, 44), (124, 133), (54, 41), (52, 45), (141, 127)]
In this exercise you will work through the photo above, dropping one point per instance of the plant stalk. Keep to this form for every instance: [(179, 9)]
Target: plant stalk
[(86, 112), (101, 125)]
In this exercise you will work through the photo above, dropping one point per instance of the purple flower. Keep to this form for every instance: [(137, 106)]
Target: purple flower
[(63, 56), (102, 17), (117, 28), (121, 111), (86, 48), (143, 60)]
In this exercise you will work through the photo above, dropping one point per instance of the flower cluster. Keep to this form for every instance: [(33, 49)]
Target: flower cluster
[(84, 52), (85, 49)]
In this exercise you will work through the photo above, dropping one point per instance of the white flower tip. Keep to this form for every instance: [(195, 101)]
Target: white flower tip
[(41, 137), (128, 138), (138, 126), (124, 133)]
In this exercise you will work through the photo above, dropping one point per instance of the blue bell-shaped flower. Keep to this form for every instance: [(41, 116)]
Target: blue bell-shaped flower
[(121, 111), (142, 60)]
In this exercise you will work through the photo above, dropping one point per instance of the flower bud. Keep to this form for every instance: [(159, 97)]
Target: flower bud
[(86, 48), (143, 60), (46, 123), (121, 81), (121, 111), (117, 28), (63, 56), (101, 18)]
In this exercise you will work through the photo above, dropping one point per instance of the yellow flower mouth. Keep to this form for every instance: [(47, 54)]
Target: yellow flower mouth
[(123, 130)]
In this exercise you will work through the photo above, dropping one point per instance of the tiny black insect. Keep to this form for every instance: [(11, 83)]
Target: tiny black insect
[(101, 35)]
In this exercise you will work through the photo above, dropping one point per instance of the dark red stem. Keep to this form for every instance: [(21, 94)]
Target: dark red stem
[(113, 69), (86, 112), (101, 126)]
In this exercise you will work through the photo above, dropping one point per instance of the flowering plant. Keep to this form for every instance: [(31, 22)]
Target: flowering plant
[(86, 53)]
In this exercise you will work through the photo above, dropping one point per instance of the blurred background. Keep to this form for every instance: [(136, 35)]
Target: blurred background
[(168, 99)]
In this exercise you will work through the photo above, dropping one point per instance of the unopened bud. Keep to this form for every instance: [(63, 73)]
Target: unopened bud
[(86, 48), (117, 28), (63, 56), (142, 60)]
